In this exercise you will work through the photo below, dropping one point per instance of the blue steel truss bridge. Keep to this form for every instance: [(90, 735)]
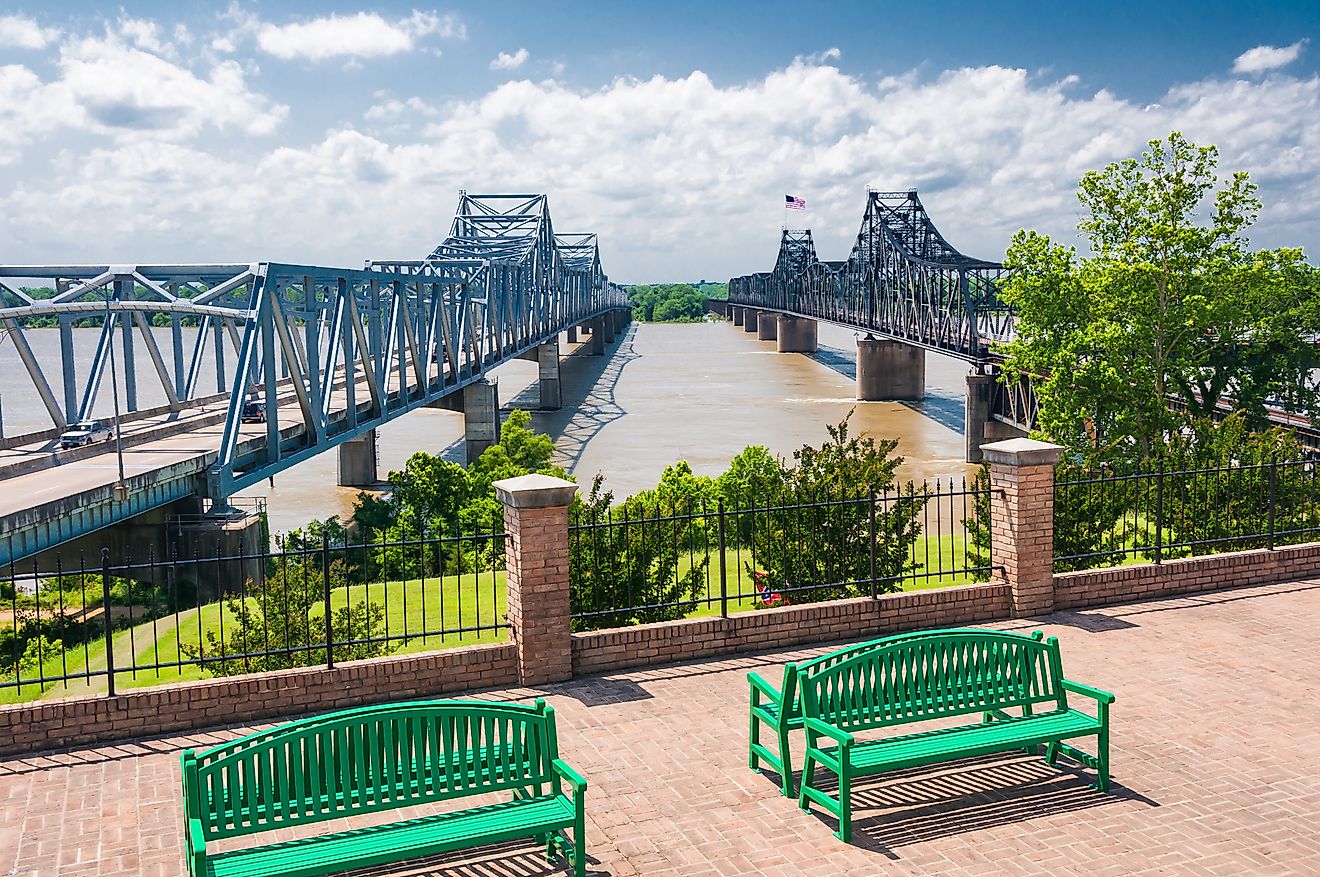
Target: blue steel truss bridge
[(315, 357)]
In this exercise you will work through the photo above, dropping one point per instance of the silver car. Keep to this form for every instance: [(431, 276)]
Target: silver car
[(86, 432)]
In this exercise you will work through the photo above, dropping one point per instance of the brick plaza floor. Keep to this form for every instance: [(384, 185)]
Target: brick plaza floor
[(1216, 770)]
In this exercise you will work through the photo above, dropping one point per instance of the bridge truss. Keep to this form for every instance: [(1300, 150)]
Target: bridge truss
[(354, 348), (902, 280)]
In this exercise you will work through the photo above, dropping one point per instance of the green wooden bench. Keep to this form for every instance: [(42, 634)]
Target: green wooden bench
[(939, 676), (768, 706), (381, 758)]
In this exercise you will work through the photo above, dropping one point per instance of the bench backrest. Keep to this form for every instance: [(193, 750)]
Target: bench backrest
[(367, 759), (793, 672), (949, 673)]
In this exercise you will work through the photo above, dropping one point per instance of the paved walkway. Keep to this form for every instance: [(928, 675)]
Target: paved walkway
[(1216, 771)]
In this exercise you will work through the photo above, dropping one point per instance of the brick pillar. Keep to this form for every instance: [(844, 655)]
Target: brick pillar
[(536, 563), (1022, 520)]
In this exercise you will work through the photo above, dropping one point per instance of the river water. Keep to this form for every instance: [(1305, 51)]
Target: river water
[(699, 392)]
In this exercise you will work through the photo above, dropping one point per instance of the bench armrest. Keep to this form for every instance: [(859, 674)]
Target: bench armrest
[(842, 737), (196, 848), (574, 778), (759, 685), (1087, 691)]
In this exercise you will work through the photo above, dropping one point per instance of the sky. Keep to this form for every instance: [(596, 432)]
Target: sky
[(331, 133)]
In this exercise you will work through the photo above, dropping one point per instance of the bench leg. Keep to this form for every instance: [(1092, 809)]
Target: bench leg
[(753, 740), (1102, 760), (845, 802), (808, 776), (785, 765)]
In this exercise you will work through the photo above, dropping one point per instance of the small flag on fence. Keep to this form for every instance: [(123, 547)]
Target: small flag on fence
[(793, 202)]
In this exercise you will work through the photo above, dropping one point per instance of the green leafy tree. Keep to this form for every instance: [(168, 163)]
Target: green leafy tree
[(283, 625), (1169, 316), (624, 571), (817, 537)]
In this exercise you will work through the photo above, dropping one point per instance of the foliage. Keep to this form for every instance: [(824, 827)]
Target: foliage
[(669, 302), (633, 573), (816, 538), (283, 625), (1169, 316)]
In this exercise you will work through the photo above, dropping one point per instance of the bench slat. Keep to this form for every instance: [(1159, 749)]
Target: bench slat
[(330, 854)]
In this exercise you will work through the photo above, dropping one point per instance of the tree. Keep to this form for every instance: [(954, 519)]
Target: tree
[(1171, 314), (283, 624), (625, 563), (816, 536)]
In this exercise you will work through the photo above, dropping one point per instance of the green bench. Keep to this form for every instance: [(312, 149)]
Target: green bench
[(768, 706), (942, 675), (373, 759)]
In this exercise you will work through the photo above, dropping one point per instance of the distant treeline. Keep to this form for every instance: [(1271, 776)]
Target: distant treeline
[(674, 302)]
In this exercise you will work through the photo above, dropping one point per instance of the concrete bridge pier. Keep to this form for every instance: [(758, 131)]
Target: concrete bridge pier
[(737, 313), (572, 335), (358, 461), (546, 357), (481, 417), (767, 327), (890, 370), (979, 424), (597, 336), (795, 334), (751, 319), (606, 327), (622, 319)]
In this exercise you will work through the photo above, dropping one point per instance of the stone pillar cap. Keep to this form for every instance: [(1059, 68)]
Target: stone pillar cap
[(1022, 452), (534, 491)]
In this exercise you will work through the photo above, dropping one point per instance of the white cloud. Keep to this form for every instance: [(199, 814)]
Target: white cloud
[(681, 177), (361, 35), (505, 61), (21, 32), (1263, 58), (111, 86)]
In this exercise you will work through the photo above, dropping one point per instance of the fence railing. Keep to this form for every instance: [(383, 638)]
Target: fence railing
[(1105, 519), (102, 624), (657, 559)]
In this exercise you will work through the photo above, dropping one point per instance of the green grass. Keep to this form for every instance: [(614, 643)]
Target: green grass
[(412, 608)]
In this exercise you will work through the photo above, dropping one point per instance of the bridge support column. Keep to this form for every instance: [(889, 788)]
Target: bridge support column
[(572, 335), (358, 461), (623, 317), (795, 334), (547, 363), (737, 313), (751, 320), (606, 327), (980, 424), (597, 336), (890, 370), (767, 326), (481, 417)]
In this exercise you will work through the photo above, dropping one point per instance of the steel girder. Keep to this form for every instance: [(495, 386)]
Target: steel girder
[(346, 350), (902, 280)]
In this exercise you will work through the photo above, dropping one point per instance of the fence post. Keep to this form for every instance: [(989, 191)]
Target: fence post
[(1022, 520), (1274, 463), (109, 622), (536, 575), (724, 574), (871, 506), (329, 619), (1159, 512)]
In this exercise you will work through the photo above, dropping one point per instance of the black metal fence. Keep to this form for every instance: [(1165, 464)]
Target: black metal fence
[(655, 559), (305, 603), (1106, 519)]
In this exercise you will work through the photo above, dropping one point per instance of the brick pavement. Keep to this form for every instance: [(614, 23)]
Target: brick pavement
[(1216, 766)]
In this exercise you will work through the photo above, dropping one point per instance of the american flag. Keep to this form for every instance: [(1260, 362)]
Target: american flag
[(793, 202)]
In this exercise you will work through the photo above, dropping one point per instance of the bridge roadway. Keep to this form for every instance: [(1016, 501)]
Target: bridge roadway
[(49, 497)]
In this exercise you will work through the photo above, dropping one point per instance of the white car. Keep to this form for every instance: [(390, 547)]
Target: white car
[(86, 432)]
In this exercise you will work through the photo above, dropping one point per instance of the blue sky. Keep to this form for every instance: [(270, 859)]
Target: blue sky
[(340, 131)]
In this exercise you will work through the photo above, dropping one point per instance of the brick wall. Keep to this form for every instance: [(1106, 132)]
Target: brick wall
[(242, 699), (1100, 587), (669, 641)]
